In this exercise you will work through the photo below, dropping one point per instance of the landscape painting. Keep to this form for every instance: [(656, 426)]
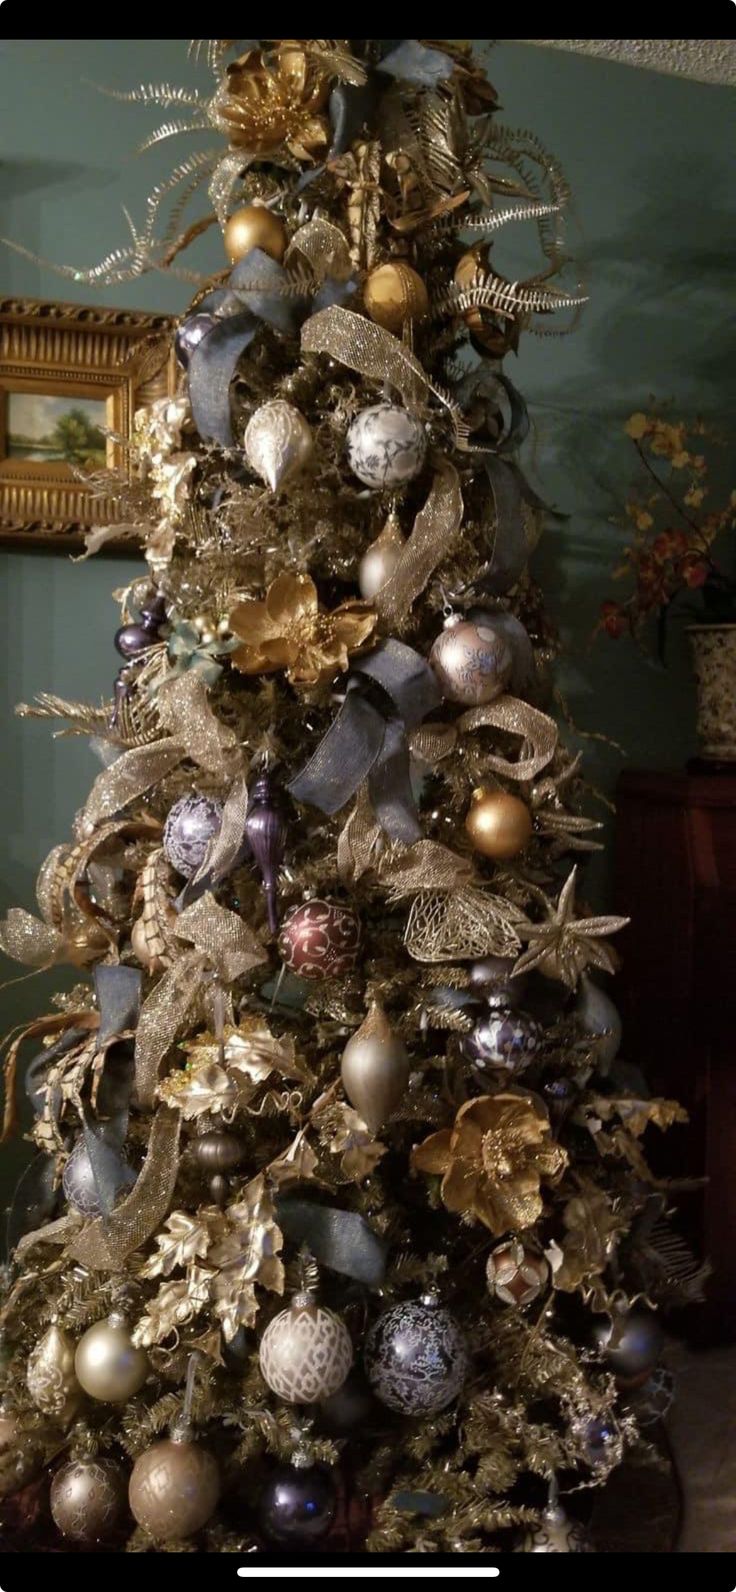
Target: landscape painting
[(46, 429)]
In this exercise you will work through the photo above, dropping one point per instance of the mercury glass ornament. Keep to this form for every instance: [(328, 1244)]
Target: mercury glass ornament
[(278, 442), (191, 825), (78, 1181), (189, 335), (600, 1441), (320, 939), (416, 1358), (306, 1352), (503, 1040), (89, 1499), (51, 1377), (522, 680), (471, 662), (556, 1533), (380, 559), (297, 1504), (375, 1069), (108, 1365), (386, 446), (265, 829), (174, 1488), (516, 1274), (217, 1150), (598, 1017), (632, 1343)]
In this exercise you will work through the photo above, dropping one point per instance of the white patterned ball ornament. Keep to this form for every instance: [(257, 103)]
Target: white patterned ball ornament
[(305, 1353), (386, 446)]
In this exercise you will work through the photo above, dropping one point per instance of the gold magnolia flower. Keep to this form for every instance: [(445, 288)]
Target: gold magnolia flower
[(493, 1160), (289, 631), (275, 99)]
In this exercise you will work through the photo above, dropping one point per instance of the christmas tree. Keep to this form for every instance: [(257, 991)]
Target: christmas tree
[(340, 1232)]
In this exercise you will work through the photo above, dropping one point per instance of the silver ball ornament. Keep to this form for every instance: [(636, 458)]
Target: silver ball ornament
[(556, 1533), (305, 1353), (380, 559), (191, 825), (416, 1357), (386, 446), (89, 1499), (471, 663), (174, 1488), (631, 1343), (108, 1364), (78, 1181)]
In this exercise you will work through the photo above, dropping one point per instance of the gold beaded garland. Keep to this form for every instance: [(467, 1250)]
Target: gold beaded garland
[(499, 824), (254, 227)]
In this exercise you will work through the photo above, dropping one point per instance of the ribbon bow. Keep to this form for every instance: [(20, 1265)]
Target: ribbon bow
[(389, 692), (258, 290)]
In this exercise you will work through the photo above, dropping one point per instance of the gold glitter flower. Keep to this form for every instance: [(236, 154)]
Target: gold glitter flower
[(493, 1160), (562, 946), (275, 99), (289, 631)]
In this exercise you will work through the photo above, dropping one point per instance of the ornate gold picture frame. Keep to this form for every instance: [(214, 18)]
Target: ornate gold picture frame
[(71, 379)]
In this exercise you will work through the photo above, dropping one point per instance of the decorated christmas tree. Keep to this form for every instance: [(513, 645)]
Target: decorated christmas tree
[(339, 1232)]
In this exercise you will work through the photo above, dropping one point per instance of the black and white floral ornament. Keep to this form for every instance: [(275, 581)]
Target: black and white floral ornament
[(191, 825), (386, 446), (556, 1533), (416, 1357)]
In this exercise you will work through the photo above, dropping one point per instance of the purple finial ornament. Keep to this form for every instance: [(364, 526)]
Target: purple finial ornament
[(265, 829)]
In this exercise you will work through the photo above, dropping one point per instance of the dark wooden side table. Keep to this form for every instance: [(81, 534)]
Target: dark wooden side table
[(676, 879)]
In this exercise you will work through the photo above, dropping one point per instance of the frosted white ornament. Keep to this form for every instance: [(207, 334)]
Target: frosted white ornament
[(386, 446), (278, 442)]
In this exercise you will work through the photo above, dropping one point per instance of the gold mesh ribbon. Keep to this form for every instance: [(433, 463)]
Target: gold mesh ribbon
[(366, 348), (27, 940), (323, 246), (435, 529), (433, 742), (425, 866), (185, 712), (129, 776), (537, 730), (105, 1244), (222, 944), (223, 852)]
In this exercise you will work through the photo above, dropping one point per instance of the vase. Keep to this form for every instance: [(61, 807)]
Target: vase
[(714, 662)]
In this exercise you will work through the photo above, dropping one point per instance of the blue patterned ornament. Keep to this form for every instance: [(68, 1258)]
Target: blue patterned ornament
[(386, 446), (504, 1040), (416, 1357)]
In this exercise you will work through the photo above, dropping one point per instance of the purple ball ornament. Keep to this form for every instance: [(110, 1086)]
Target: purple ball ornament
[(297, 1504), (265, 831), (134, 638), (190, 334), (504, 1040)]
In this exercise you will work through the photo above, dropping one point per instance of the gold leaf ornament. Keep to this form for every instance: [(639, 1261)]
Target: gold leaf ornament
[(248, 1253), (184, 1239)]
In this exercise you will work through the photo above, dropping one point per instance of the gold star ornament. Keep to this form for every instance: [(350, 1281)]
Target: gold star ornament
[(562, 946)]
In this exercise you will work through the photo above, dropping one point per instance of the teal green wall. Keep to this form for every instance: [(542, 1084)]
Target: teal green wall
[(647, 158)]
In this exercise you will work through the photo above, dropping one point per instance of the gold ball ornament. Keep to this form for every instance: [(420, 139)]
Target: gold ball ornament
[(88, 1499), (254, 227), (380, 559), (174, 1488), (471, 662), (394, 294), (305, 1353), (499, 825), (51, 1378), (515, 1274), (375, 1069), (108, 1364), (278, 442)]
